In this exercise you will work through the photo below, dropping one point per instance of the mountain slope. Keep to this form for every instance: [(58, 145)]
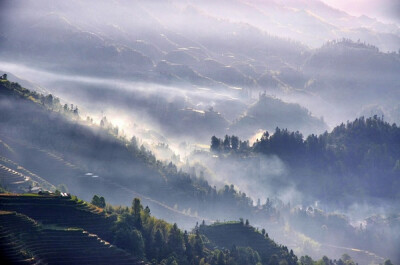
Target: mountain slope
[(62, 150), (353, 73), (59, 237), (268, 113), (53, 142), (236, 234), (55, 229), (356, 162)]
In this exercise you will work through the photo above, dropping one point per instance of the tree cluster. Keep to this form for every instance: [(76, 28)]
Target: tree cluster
[(158, 242), (364, 153), (99, 201), (228, 144)]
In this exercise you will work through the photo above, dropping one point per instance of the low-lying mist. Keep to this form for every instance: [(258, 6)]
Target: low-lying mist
[(170, 114), (158, 79), (173, 111)]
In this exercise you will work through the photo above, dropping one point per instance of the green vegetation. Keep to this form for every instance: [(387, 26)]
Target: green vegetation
[(46, 224), (356, 161), (344, 260), (99, 201), (50, 102), (61, 211), (57, 144), (161, 243), (24, 241), (236, 234)]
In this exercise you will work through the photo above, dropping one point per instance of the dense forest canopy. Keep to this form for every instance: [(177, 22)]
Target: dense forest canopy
[(357, 161)]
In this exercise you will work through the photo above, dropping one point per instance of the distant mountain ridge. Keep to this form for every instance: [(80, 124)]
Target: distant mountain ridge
[(249, 48)]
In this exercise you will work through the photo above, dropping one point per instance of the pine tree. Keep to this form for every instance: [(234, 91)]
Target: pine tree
[(136, 208)]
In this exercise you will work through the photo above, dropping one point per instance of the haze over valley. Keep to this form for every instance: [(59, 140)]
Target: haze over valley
[(275, 120)]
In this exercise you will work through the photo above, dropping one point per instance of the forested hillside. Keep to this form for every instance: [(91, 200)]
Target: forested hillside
[(48, 138), (350, 170), (235, 235), (114, 100), (358, 161), (42, 130), (59, 229)]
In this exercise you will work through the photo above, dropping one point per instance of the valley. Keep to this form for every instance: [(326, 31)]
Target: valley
[(257, 132)]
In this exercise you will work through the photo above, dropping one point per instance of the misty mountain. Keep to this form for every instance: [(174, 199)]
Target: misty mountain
[(41, 135), (25, 83), (353, 72), (345, 78), (268, 113), (357, 162), (45, 140), (79, 50), (294, 19), (114, 48), (352, 170), (151, 81), (250, 47), (189, 113)]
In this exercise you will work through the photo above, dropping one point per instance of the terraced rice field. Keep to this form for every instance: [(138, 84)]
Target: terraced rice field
[(55, 230), (13, 180)]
